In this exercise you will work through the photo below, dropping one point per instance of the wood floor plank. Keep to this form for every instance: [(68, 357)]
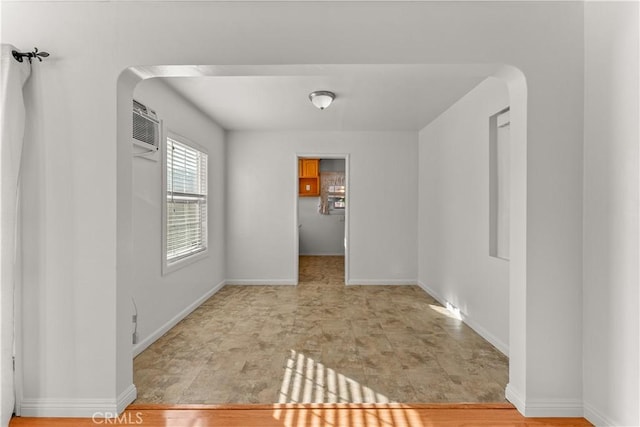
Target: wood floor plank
[(347, 415)]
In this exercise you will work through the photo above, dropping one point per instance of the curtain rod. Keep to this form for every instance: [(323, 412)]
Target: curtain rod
[(19, 56)]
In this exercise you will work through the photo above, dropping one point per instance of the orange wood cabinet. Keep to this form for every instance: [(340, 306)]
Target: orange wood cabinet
[(308, 177), (308, 168)]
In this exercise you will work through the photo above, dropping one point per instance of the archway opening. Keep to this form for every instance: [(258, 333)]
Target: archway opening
[(127, 84)]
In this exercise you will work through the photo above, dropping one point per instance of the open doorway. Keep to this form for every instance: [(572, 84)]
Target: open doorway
[(321, 213), (304, 324)]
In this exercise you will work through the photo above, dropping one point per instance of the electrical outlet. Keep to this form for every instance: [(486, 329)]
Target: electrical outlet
[(134, 318), (135, 338)]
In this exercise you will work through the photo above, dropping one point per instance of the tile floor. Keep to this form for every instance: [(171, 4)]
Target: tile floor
[(320, 342)]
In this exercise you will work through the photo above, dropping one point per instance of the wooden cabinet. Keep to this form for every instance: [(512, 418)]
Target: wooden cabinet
[(308, 177), (308, 168)]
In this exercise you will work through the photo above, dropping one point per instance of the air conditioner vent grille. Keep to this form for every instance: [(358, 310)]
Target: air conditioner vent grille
[(145, 130), (146, 126)]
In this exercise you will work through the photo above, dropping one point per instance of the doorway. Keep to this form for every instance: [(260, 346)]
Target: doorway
[(124, 226), (321, 218)]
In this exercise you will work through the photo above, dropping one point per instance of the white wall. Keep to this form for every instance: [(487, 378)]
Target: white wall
[(611, 172), (332, 165), (261, 203), (319, 234), (77, 239), (162, 299), (453, 262)]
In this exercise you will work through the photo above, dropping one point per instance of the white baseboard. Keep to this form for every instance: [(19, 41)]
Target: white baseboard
[(598, 419), (147, 341), (79, 408), (553, 408), (365, 282), (259, 282), (515, 397), (544, 407), (70, 408), (126, 398), (324, 254), (495, 341)]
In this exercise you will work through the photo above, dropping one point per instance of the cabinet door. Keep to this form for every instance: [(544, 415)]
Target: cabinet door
[(308, 187), (309, 167), (300, 168)]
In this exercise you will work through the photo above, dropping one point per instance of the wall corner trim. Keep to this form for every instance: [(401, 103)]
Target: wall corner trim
[(126, 398), (142, 345), (514, 396)]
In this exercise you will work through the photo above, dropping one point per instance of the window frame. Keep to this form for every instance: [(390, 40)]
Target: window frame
[(171, 266)]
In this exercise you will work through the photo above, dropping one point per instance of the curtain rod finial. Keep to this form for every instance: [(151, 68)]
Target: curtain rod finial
[(19, 56)]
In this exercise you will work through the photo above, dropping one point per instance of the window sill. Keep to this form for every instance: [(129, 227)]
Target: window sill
[(170, 267)]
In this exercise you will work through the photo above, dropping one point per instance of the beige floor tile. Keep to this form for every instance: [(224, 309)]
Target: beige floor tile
[(320, 341), (396, 388)]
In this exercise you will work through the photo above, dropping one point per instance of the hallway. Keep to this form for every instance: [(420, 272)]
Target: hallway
[(320, 341)]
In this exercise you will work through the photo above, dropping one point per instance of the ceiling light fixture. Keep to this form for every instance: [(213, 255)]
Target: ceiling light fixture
[(322, 98)]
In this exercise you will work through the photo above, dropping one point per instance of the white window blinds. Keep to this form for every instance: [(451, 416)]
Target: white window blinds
[(186, 219)]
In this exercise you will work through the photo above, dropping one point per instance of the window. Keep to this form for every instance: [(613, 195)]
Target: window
[(185, 219), (499, 167)]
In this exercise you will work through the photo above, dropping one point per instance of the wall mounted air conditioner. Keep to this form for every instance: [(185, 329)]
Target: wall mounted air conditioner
[(146, 127)]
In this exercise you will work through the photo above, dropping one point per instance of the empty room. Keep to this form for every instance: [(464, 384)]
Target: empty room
[(320, 206), (356, 313)]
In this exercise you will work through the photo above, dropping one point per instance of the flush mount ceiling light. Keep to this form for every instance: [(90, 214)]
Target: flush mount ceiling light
[(322, 98)]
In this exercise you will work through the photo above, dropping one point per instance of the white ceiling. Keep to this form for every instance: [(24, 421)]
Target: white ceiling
[(368, 97)]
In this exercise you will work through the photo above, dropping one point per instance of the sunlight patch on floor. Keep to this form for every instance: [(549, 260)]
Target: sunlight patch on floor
[(306, 380), (449, 311)]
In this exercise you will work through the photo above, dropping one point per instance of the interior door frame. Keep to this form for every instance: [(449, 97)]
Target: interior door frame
[(296, 221)]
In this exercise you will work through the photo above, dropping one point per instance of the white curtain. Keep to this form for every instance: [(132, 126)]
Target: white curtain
[(12, 121)]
